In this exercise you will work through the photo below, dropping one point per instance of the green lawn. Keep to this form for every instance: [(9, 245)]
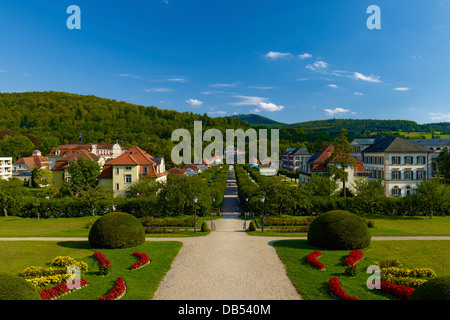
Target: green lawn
[(141, 284), (312, 284)]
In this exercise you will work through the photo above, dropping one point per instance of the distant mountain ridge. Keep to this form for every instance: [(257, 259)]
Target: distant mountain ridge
[(355, 126)]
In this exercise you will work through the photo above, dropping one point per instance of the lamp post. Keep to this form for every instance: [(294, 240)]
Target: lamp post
[(262, 199), (195, 214), (214, 206), (245, 213)]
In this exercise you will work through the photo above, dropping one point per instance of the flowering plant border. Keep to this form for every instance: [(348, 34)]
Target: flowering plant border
[(399, 291), (336, 290), (60, 290), (143, 260), (353, 257), (312, 260), (117, 292)]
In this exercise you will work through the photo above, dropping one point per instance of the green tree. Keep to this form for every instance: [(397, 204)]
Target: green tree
[(341, 158), (369, 192), (432, 196), (145, 187), (16, 146), (94, 193), (10, 193), (42, 177), (443, 162), (83, 173), (320, 185)]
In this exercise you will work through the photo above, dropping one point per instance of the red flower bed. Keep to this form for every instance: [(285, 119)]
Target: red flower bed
[(335, 289), (396, 290), (117, 292), (353, 257), (143, 260), (58, 290), (102, 260), (312, 259)]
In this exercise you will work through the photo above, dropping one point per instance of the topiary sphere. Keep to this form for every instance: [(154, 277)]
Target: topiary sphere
[(434, 289), (339, 230), (13, 287), (116, 230)]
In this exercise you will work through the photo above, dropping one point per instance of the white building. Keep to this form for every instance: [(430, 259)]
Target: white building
[(400, 164), (5, 168), (435, 145)]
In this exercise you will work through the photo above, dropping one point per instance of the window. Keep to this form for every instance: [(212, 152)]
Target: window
[(395, 160), (145, 170), (117, 187), (408, 175), (420, 174), (420, 160), (128, 168), (128, 178), (408, 190), (408, 160), (395, 174), (117, 170), (396, 191)]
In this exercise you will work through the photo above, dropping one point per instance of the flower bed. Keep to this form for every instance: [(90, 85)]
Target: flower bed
[(143, 260), (399, 291), (49, 280), (281, 222), (59, 290), (65, 261), (353, 257), (290, 229), (312, 260), (102, 260), (336, 290), (117, 292)]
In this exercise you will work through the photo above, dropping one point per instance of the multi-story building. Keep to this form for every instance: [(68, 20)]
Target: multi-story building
[(5, 168), (119, 173), (23, 168), (320, 162), (399, 163), (435, 145), (295, 159)]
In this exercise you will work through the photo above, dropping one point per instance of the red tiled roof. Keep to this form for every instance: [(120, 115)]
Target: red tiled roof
[(67, 148), (177, 171), (191, 166), (63, 163), (133, 156), (34, 162), (106, 173)]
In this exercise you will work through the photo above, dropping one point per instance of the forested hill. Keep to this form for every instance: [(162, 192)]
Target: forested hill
[(53, 118)]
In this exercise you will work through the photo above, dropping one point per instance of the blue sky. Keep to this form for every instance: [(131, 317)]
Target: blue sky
[(289, 60)]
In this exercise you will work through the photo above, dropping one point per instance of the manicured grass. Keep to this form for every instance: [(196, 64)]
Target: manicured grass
[(141, 284), (312, 284)]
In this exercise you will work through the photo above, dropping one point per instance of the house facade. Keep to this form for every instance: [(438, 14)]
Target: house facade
[(295, 159), (320, 162), (129, 167), (436, 146), (23, 168), (399, 163), (6, 168)]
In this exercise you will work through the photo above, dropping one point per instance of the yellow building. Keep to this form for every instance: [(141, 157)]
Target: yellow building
[(119, 173)]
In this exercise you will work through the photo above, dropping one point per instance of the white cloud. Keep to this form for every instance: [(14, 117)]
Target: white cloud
[(371, 78), (260, 88), (332, 112), (273, 55), (270, 106), (220, 113), (332, 86), (305, 56), (194, 102), (176, 79), (401, 89), (318, 65), (127, 75), (158, 90), (439, 116), (256, 110), (248, 101), (223, 85), (358, 93)]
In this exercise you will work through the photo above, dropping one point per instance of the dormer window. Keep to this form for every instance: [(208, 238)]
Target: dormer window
[(57, 152)]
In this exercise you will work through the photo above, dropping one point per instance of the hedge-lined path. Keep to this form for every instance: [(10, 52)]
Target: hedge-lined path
[(227, 264)]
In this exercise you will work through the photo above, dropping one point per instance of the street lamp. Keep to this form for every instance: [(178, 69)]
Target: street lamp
[(262, 199), (245, 213), (214, 206), (195, 214)]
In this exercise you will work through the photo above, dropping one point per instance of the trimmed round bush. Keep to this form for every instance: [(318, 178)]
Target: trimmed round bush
[(13, 287), (252, 226), (205, 227), (339, 230), (434, 289), (116, 230)]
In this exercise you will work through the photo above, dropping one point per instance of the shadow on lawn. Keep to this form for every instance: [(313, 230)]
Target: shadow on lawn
[(75, 244)]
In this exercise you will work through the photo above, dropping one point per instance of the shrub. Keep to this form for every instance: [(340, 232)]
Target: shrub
[(116, 230), (13, 287), (388, 263), (252, 226), (350, 271), (434, 289), (205, 227), (339, 230)]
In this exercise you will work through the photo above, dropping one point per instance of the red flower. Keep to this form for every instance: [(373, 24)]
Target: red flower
[(335, 288), (353, 257), (143, 260), (101, 260), (396, 290), (58, 290), (312, 259), (116, 292)]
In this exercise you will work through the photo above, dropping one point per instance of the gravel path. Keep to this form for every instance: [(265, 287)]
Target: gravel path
[(227, 264)]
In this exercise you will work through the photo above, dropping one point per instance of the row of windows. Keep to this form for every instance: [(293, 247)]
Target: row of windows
[(397, 192), (395, 160), (398, 175)]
